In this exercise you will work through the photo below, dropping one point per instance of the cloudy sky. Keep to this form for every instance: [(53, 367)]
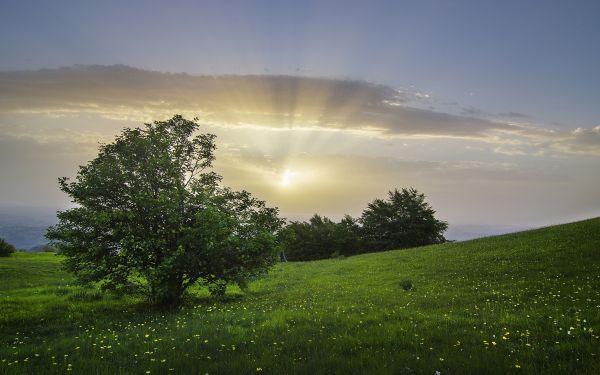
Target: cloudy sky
[(490, 109)]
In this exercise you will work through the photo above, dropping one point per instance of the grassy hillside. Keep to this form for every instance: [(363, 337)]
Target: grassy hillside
[(519, 303)]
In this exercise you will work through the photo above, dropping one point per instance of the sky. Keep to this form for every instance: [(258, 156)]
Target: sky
[(489, 108)]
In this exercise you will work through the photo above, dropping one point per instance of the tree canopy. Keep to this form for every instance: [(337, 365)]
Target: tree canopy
[(405, 219), (149, 210), (321, 238)]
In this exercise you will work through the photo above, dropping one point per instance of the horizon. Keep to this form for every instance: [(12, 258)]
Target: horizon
[(489, 110)]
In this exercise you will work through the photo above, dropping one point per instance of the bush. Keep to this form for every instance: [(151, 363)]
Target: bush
[(86, 296), (406, 285), (217, 288), (5, 248)]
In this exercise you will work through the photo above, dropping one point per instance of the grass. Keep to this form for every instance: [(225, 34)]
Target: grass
[(520, 303)]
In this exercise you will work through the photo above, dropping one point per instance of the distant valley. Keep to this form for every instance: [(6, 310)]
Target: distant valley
[(24, 227)]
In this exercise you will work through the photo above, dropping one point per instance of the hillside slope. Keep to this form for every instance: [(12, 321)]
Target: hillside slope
[(527, 302)]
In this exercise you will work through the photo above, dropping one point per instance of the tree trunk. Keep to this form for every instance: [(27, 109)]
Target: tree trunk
[(168, 292)]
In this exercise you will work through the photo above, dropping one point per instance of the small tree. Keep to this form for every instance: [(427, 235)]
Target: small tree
[(403, 220), (149, 208), (5, 248)]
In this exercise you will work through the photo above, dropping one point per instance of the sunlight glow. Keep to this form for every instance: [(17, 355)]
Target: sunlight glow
[(286, 178)]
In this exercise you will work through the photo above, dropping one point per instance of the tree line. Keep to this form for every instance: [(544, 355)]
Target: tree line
[(402, 220)]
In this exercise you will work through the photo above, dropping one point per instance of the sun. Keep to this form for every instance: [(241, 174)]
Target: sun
[(286, 178)]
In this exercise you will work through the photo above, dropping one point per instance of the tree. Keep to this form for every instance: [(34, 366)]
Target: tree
[(403, 220), (315, 239), (321, 238), (349, 234), (5, 248), (149, 209)]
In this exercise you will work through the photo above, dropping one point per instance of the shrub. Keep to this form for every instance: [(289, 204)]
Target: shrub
[(406, 285), (5, 248), (86, 296), (217, 288)]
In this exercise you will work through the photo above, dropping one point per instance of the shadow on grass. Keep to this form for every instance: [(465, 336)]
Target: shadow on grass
[(191, 299)]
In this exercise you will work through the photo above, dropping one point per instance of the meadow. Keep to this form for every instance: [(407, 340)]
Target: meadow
[(527, 302)]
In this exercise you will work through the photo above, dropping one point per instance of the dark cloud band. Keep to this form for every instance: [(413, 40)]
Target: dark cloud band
[(278, 102)]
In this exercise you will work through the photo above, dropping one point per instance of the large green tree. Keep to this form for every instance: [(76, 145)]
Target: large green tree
[(405, 219), (148, 209)]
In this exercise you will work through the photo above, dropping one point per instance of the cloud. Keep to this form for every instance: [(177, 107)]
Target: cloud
[(511, 151), (580, 141), (279, 103), (513, 115), (65, 141), (471, 111)]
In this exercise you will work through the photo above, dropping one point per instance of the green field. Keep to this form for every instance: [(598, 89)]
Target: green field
[(519, 303)]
